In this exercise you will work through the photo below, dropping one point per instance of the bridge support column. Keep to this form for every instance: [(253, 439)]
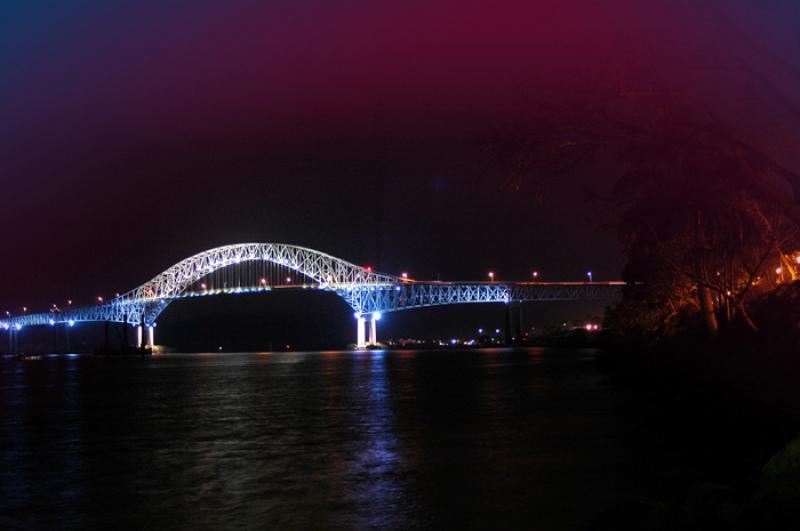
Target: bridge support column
[(139, 333), (151, 337), (373, 330), (519, 328), (361, 332), (507, 336)]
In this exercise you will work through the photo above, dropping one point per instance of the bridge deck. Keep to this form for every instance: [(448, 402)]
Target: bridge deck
[(366, 291)]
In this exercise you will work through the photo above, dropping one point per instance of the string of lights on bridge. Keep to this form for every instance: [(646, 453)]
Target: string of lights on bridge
[(264, 267), (267, 280)]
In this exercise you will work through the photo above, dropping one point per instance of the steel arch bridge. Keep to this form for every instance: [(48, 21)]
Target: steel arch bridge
[(370, 294)]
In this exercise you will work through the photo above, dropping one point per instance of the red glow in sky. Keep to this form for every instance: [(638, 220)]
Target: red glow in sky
[(174, 126)]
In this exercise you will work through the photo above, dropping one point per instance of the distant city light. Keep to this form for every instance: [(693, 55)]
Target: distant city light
[(288, 280), (263, 281), (491, 275), (480, 330), (404, 275), (203, 286), (535, 274), (100, 300), (496, 330), (589, 274)]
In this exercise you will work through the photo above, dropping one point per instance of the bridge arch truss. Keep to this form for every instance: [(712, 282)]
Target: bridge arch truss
[(368, 293)]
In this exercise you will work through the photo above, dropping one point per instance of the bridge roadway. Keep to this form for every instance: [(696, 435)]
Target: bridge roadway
[(370, 294)]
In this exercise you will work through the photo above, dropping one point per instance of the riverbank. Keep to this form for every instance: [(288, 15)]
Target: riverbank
[(735, 414)]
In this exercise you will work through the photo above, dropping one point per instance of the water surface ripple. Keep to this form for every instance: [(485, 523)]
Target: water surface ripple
[(530, 438)]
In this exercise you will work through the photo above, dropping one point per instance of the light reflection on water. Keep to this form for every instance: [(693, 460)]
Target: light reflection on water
[(490, 438)]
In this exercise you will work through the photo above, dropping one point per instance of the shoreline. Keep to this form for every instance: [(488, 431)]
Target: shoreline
[(732, 435)]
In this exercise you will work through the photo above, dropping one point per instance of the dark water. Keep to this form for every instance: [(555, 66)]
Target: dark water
[(535, 438)]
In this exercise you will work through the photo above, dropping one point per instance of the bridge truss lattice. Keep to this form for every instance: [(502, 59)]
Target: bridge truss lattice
[(366, 292)]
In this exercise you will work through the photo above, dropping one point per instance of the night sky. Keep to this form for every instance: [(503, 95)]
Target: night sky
[(134, 134)]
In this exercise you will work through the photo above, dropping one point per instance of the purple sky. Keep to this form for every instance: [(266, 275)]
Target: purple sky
[(135, 134)]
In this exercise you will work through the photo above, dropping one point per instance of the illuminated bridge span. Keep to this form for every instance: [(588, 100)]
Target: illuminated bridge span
[(256, 267)]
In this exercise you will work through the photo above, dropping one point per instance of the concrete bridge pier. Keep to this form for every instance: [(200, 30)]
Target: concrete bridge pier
[(513, 323), (361, 332), (507, 335), (373, 328), (151, 337), (364, 335), (14, 340), (516, 322)]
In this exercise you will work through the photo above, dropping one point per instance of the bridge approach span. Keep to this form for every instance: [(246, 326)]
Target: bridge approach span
[(370, 294)]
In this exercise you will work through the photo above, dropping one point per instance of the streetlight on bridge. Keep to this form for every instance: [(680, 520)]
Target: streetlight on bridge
[(491, 276)]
